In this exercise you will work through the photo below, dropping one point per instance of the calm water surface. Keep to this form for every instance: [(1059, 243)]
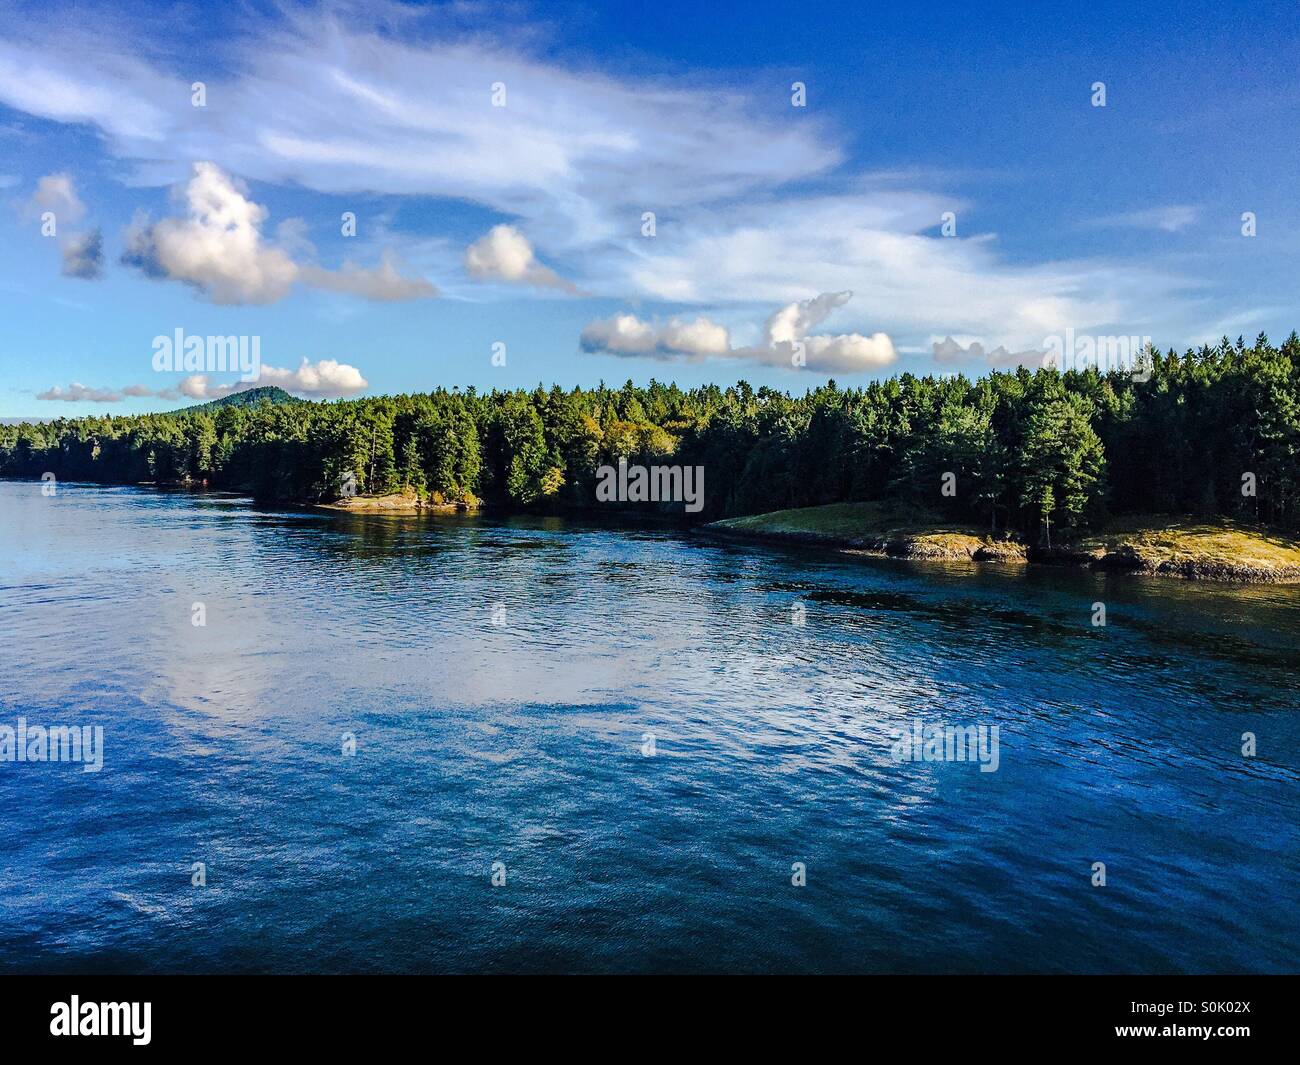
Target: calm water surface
[(521, 743)]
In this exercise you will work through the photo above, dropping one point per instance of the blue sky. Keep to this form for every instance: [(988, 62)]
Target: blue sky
[(783, 234)]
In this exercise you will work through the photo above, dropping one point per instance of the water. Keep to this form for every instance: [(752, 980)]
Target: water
[(521, 743)]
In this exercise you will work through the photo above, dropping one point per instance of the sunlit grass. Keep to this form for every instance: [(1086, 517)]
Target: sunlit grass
[(1186, 546), (1217, 541), (848, 520)]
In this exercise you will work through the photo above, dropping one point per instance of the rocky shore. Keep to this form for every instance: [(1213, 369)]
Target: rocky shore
[(1187, 548)]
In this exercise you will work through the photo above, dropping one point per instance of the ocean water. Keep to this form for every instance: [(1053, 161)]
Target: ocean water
[(633, 728)]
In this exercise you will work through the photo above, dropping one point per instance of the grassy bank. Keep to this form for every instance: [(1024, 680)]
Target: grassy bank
[(406, 502), (1206, 549)]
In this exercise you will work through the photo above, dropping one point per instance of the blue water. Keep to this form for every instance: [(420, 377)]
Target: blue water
[(521, 743)]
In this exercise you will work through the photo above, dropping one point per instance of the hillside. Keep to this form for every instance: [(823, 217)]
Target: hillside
[(251, 397)]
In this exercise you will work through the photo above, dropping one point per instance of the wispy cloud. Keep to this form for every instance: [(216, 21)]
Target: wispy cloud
[(573, 159), (1171, 219), (384, 283), (79, 393)]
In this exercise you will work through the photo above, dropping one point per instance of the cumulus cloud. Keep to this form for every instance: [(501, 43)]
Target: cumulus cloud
[(83, 255), (219, 248), (325, 379), (851, 353), (792, 322), (504, 254), (57, 193), (626, 334), (786, 339)]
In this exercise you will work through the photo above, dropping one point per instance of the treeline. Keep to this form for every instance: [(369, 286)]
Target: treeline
[(1214, 431)]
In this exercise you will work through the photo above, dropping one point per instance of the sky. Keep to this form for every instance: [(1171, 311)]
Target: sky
[(568, 193)]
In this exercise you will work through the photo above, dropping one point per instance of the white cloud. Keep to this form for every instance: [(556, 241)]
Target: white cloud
[(325, 379), (700, 337), (220, 250), (626, 334), (504, 254), (850, 353), (78, 393), (57, 193), (384, 284), (786, 335), (89, 78), (1170, 219), (871, 242), (793, 321), (336, 104)]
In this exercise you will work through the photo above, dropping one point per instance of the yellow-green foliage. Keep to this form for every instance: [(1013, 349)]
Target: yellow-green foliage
[(1156, 539), (840, 521)]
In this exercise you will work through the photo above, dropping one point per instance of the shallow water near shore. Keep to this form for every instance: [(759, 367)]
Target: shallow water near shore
[(522, 742)]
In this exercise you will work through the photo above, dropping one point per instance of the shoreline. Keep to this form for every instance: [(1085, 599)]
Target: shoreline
[(1154, 549), (396, 503), (1180, 547)]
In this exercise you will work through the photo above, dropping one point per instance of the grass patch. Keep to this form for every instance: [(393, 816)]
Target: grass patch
[(1161, 541), (892, 528), (1204, 548), (847, 521)]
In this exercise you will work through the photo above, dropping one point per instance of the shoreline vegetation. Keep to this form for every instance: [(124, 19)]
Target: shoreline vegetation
[(1042, 465), (1188, 547), (404, 502)]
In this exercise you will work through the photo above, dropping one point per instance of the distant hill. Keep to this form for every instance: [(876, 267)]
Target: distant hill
[(250, 397)]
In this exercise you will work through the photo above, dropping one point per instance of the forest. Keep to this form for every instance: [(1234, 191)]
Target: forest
[(1215, 431)]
